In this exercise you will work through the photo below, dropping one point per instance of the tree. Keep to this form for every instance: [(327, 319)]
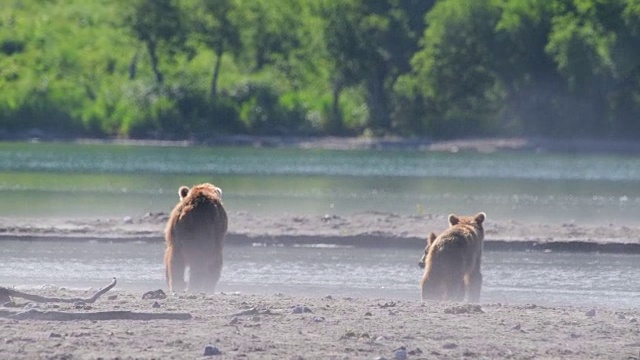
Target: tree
[(156, 23), (371, 43), (216, 24), (454, 70)]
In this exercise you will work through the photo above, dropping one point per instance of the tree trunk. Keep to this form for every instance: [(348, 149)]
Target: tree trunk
[(379, 117), (335, 122), (216, 73), (133, 66), (154, 62)]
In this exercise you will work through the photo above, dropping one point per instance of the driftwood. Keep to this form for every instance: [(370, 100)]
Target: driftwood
[(5, 292), (252, 311), (34, 314)]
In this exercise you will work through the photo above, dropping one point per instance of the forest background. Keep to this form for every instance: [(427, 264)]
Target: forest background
[(196, 69)]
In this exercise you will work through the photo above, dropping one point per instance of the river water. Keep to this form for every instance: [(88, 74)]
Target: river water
[(93, 180), (597, 280)]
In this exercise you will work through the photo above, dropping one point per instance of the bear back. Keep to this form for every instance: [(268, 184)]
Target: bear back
[(198, 216)]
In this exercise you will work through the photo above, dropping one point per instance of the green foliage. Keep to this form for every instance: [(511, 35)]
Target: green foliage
[(177, 69), (455, 73)]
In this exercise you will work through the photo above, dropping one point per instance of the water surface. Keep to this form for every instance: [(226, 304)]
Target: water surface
[(597, 280), (49, 179)]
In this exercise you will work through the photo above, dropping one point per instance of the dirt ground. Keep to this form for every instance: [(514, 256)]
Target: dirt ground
[(245, 326)]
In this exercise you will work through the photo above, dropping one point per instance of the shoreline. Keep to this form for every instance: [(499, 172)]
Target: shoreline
[(369, 242), (480, 145), (369, 229)]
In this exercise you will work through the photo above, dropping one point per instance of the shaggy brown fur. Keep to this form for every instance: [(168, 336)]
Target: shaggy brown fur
[(452, 261), (194, 237)]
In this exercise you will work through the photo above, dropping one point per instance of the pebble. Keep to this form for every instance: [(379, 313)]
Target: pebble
[(400, 354), (211, 350), (300, 309), (591, 313), (154, 294)]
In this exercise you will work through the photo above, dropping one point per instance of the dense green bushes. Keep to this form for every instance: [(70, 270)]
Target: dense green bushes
[(177, 69)]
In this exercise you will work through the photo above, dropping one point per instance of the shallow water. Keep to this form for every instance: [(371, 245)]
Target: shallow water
[(597, 280), (48, 179)]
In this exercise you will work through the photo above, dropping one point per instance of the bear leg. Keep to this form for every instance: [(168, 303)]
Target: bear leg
[(196, 278), (214, 272), (455, 287), (198, 269), (474, 286), (433, 290), (174, 269)]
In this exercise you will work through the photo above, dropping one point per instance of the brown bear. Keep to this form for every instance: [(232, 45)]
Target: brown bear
[(452, 261), (194, 237)]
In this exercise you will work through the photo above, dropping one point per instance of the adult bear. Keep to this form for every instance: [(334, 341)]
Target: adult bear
[(194, 238), (452, 261)]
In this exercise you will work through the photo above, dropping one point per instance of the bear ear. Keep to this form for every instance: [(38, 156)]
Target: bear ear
[(183, 192), (218, 191), (453, 219), (479, 218), (431, 238)]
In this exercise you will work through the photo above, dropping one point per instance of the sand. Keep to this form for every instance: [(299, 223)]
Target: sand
[(245, 326), (280, 326), (360, 229)]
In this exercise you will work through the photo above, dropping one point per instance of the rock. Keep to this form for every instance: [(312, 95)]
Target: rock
[(300, 309), (155, 305), (400, 354), (112, 297), (211, 350), (591, 313), (154, 294)]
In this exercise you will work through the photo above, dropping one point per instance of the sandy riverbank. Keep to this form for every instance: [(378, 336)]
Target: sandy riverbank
[(245, 326), (375, 229)]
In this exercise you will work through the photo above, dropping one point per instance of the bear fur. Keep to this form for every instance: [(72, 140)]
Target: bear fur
[(452, 261), (194, 238)]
